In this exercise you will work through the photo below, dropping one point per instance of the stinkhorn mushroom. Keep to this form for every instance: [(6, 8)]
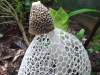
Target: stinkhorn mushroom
[(52, 51)]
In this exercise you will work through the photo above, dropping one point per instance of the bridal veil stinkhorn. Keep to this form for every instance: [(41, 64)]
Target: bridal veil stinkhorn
[(52, 51)]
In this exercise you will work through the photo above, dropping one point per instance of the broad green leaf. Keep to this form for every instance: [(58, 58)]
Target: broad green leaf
[(73, 13), (80, 34), (53, 13), (60, 18)]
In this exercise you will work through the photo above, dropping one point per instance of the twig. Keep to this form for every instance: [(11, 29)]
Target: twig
[(9, 22), (6, 16), (92, 33)]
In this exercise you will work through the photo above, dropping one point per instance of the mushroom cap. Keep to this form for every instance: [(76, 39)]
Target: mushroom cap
[(40, 20)]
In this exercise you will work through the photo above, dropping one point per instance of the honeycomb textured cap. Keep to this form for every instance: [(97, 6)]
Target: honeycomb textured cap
[(40, 21)]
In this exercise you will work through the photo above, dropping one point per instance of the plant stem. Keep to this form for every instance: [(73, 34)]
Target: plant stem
[(92, 33), (23, 31), (19, 22)]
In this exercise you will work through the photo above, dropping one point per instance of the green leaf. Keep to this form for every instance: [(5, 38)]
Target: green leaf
[(80, 34), (95, 43), (53, 13), (60, 18), (18, 7), (73, 13), (96, 38), (96, 47)]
